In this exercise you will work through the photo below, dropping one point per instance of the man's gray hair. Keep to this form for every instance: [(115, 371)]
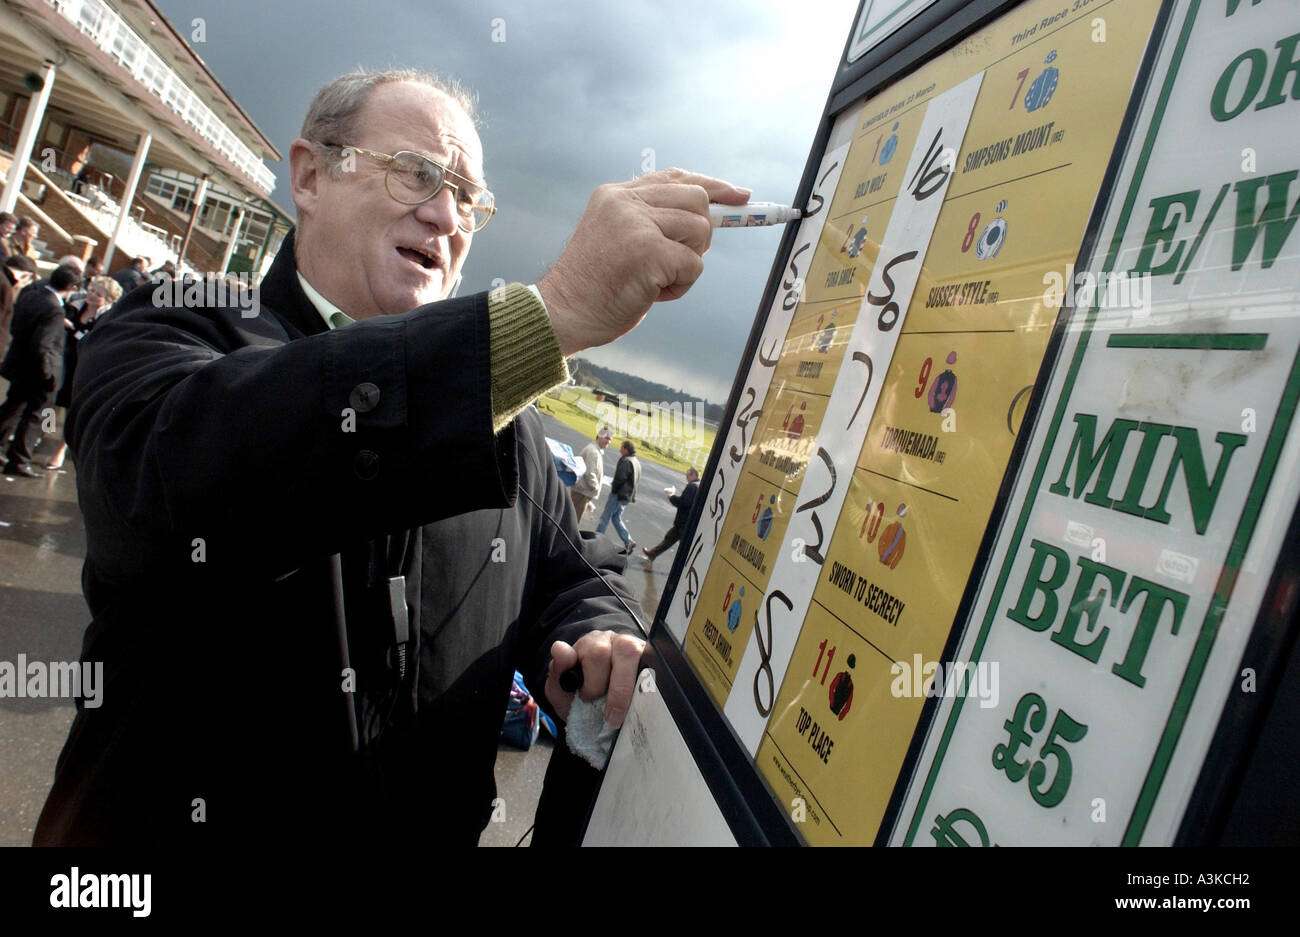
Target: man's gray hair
[(332, 115)]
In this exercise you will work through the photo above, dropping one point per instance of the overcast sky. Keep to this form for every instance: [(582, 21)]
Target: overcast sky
[(572, 98)]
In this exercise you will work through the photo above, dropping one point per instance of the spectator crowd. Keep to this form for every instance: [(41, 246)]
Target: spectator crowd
[(42, 322)]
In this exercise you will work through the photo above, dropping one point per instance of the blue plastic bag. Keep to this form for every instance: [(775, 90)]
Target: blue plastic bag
[(524, 718)]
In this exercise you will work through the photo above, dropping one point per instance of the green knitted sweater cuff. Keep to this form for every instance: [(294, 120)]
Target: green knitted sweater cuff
[(526, 356)]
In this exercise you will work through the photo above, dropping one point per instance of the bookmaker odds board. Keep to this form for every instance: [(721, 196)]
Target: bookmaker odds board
[(995, 545)]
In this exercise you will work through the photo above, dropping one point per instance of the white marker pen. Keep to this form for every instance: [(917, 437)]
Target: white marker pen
[(751, 215)]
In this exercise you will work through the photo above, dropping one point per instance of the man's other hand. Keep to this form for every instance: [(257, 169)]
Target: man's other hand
[(638, 243), (609, 668)]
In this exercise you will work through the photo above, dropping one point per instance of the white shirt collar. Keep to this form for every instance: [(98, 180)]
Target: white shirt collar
[(333, 316)]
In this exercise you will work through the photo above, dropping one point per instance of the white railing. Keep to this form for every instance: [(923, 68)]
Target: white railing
[(111, 33), (137, 240)]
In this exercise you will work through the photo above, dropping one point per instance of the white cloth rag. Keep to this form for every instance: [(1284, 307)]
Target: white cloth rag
[(588, 735)]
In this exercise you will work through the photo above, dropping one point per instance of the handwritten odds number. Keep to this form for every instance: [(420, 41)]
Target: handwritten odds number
[(794, 288), (765, 653), (871, 370), (813, 551), (929, 178), (889, 313), (692, 576), (718, 508), (793, 285), (815, 209), (743, 420)]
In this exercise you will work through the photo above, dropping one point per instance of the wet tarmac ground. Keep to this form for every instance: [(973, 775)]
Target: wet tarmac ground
[(43, 617)]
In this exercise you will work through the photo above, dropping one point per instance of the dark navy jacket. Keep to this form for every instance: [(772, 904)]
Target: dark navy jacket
[(683, 504), (222, 461)]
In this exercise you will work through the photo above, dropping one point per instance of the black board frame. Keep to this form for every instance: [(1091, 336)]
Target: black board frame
[(1254, 743)]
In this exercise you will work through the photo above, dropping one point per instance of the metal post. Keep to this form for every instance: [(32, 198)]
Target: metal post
[(234, 236), (199, 196), (124, 210), (261, 251), (27, 140)]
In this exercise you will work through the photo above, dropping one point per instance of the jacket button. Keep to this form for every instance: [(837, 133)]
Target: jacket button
[(364, 397), (366, 464)]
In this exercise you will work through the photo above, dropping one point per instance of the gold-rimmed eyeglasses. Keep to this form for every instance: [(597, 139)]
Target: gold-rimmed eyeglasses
[(412, 178)]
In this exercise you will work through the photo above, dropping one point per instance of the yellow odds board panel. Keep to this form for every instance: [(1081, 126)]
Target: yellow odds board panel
[(1049, 84)]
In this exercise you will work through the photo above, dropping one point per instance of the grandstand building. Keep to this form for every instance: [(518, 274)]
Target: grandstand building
[(120, 142)]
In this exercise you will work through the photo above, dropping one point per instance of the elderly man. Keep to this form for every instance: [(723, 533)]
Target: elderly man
[(320, 539), (587, 488)]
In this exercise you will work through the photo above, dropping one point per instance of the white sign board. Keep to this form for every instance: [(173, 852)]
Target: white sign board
[(1160, 477), (653, 793)]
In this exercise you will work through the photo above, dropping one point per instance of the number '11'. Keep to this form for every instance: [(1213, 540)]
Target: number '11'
[(830, 656)]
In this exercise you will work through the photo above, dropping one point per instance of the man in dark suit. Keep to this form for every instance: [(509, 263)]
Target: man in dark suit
[(683, 502), (321, 529), (33, 365), (132, 275), (15, 273)]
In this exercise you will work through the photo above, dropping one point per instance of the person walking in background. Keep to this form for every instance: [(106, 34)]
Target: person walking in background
[(622, 493), (102, 293), (587, 488), (33, 366), (683, 504)]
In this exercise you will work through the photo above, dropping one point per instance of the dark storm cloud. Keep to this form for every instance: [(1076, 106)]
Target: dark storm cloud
[(578, 94)]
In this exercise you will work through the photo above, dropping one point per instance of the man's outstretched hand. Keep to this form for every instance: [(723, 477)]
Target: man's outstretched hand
[(609, 666), (638, 243)]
